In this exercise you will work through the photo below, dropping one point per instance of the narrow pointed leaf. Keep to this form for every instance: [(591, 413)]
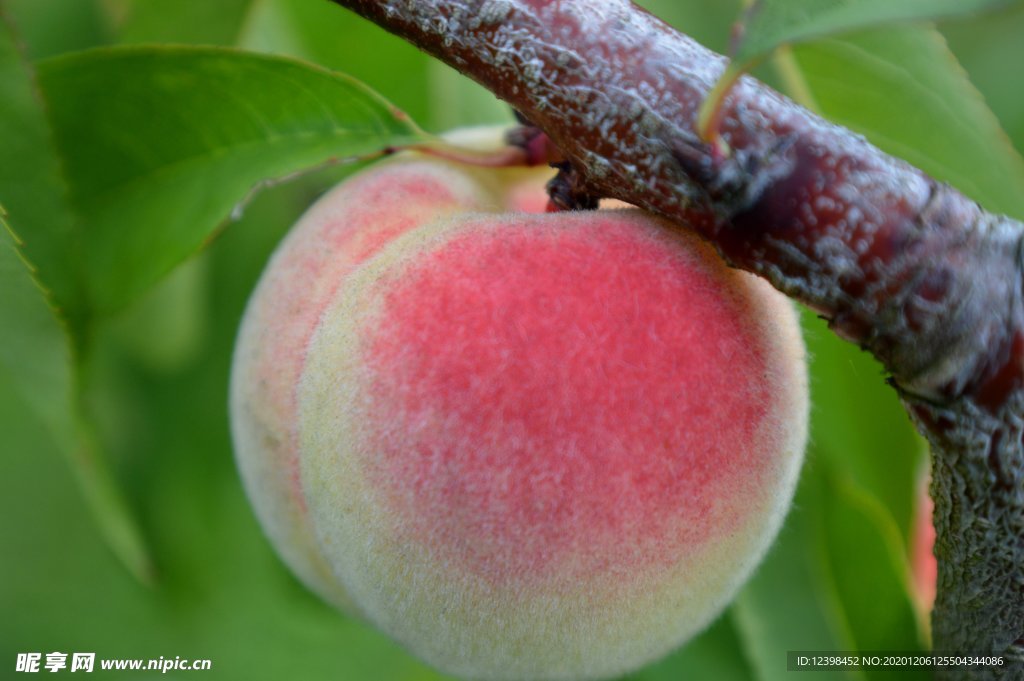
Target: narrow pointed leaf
[(161, 145), (33, 191), (36, 357), (767, 24)]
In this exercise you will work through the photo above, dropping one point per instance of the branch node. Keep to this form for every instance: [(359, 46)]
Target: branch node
[(539, 148), (734, 183), (568, 190)]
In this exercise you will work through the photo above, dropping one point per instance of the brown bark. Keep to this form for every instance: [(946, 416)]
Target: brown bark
[(900, 264)]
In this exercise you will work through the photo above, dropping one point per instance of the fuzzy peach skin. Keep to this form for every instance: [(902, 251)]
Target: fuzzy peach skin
[(547, 446), (344, 228)]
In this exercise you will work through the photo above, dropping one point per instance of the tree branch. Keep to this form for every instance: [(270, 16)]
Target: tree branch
[(900, 264)]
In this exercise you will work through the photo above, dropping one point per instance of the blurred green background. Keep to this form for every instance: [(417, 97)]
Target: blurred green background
[(838, 578)]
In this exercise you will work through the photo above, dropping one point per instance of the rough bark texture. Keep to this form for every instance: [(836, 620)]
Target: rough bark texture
[(905, 267)]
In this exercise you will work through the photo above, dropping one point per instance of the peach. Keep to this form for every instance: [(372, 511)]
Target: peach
[(525, 446), (344, 228)]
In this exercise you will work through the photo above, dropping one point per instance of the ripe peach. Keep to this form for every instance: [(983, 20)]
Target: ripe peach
[(525, 446), (348, 225)]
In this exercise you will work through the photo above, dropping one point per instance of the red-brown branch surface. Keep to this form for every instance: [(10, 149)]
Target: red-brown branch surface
[(900, 264)]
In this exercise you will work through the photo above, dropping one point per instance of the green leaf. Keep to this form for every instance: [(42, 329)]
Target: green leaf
[(341, 40), (866, 565), (767, 24), (161, 145), (34, 352), (867, 462), (904, 90), (875, 444), (783, 607), (708, 23), (167, 327), (459, 102), (116, 184), (51, 27), (711, 655), (985, 45), (193, 22), (427, 89), (834, 581), (36, 361), (33, 190)]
